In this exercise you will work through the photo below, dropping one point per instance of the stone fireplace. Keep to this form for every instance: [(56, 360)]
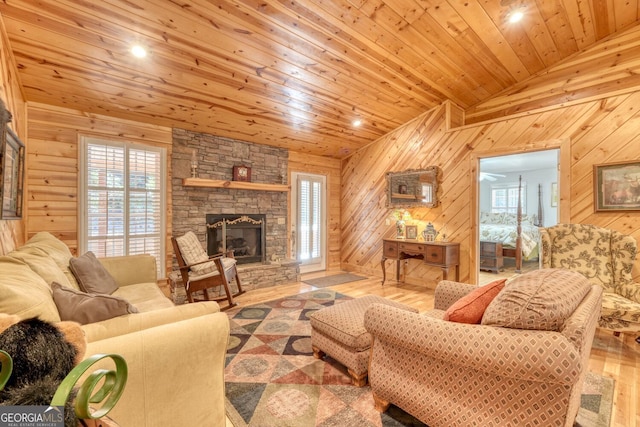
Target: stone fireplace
[(242, 233), (261, 265)]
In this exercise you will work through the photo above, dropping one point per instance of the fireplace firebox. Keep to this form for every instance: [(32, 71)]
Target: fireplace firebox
[(243, 233)]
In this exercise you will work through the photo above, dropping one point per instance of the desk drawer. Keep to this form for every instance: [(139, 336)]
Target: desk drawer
[(390, 250), (435, 254), (411, 248)]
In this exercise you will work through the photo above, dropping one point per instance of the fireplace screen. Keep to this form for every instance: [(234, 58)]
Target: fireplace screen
[(244, 234)]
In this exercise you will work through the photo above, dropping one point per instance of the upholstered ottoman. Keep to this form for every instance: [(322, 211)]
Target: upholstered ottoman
[(339, 332)]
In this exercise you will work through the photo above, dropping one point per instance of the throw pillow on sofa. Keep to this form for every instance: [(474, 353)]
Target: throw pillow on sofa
[(471, 307), (541, 300), (24, 293), (91, 275), (56, 250), (87, 308)]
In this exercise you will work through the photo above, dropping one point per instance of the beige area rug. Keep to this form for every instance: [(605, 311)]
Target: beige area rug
[(272, 378), (336, 279)]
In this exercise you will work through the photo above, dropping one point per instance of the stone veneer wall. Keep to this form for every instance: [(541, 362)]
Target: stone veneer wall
[(216, 158)]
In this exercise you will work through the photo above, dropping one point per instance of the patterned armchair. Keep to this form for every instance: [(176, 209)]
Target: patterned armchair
[(521, 366), (606, 258)]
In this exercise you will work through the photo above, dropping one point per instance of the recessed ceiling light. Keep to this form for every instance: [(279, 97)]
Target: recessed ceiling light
[(357, 122), (138, 51), (516, 16)]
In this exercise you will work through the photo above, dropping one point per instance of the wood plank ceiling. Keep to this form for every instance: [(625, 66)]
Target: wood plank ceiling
[(293, 74)]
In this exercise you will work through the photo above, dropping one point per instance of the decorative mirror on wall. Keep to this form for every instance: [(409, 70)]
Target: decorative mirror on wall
[(413, 188), (11, 169)]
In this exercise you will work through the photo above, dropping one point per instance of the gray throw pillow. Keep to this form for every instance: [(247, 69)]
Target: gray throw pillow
[(91, 275), (86, 308)]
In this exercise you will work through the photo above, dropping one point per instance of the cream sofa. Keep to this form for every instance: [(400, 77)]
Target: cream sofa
[(175, 354)]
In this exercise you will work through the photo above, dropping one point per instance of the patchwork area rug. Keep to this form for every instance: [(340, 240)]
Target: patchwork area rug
[(336, 279), (272, 378)]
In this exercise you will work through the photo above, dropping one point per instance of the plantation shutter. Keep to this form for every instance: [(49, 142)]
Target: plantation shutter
[(310, 215), (123, 199)]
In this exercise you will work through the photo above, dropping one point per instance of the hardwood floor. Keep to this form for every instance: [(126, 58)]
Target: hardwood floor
[(615, 357), (509, 270)]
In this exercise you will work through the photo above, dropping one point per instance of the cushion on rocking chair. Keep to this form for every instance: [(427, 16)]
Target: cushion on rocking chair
[(193, 253)]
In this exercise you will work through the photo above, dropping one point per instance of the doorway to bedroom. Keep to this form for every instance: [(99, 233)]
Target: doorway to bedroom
[(528, 180)]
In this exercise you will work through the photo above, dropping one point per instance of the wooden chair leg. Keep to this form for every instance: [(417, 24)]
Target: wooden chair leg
[(240, 290), (229, 296), (232, 275), (359, 380), (379, 404), (317, 353)]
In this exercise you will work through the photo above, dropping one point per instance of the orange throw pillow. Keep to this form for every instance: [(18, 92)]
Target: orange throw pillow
[(471, 307)]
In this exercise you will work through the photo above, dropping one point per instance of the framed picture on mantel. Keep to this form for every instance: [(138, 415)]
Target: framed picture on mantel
[(242, 173)]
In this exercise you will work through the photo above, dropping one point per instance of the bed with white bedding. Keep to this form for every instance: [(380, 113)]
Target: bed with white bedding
[(503, 227)]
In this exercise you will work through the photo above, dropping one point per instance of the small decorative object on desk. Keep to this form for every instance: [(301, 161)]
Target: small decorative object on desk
[(429, 233), (411, 231), (194, 164), (399, 229), (242, 173), (401, 216)]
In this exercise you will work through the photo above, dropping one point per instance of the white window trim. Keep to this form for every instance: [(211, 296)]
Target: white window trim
[(82, 191)]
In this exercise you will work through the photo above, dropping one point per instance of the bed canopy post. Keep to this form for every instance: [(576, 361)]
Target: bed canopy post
[(540, 221), (519, 228)]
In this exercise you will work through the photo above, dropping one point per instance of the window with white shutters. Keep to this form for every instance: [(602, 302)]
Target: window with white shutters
[(122, 199), (504, 198)]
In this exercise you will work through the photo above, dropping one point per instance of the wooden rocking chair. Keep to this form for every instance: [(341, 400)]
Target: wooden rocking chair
[(201, 272)]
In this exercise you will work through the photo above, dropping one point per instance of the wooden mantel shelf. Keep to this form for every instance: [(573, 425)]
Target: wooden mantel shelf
[(238, 185)]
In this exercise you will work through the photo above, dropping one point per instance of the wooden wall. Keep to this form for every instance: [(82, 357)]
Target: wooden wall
[(587, 107), (52, 158), (599, 131), (611, 67), (53, 170), (305, 163), (11, 231)]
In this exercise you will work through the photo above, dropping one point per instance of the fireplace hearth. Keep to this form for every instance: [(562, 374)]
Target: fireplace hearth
[(242, 233)]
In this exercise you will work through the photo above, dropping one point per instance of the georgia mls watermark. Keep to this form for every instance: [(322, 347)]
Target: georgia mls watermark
[(31, 416)]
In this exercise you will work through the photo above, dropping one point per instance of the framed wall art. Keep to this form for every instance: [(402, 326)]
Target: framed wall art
[(554, 194), (617, 186), (11, 169)]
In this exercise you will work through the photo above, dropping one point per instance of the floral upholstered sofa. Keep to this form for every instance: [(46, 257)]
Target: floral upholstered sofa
[(523, 364), (606, 258), (175, 354)]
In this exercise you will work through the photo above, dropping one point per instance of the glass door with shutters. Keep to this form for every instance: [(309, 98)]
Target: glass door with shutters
[(309, 221)]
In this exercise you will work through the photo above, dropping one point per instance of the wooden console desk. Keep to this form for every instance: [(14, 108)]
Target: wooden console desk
[(439, 254)]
